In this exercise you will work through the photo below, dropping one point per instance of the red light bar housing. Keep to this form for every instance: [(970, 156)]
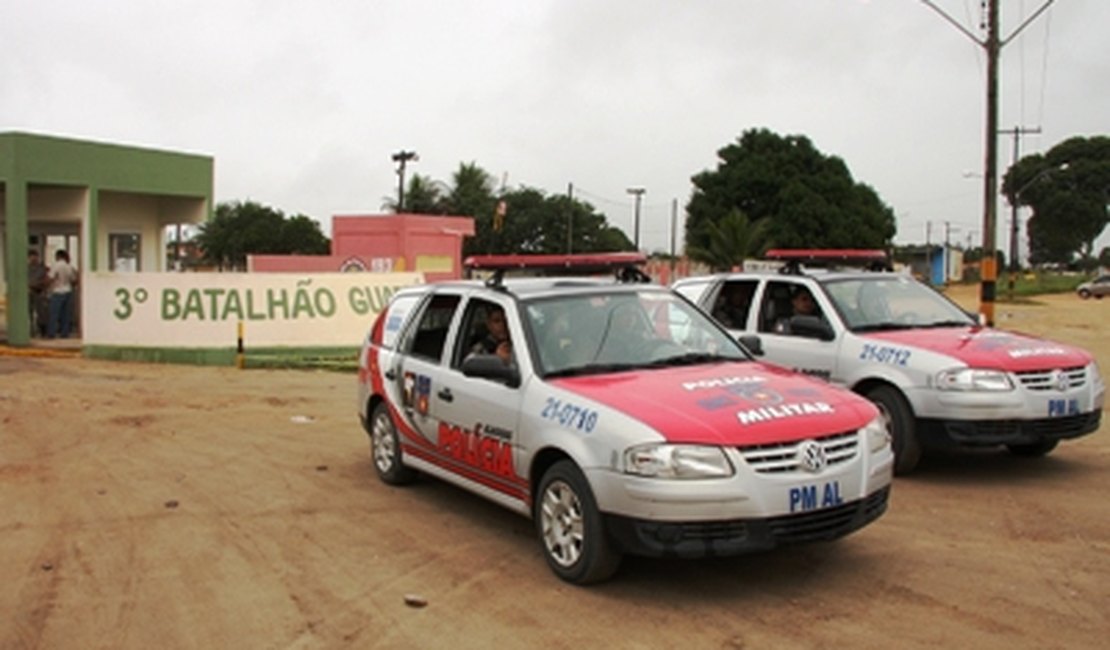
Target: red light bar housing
[(624, 265), (574, 262), (827, 254)]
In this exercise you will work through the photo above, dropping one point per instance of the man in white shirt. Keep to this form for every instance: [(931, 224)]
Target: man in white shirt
[(62, 279)]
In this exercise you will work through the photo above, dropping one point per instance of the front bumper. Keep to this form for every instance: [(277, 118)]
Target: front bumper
[(987, 433), (739, 536)]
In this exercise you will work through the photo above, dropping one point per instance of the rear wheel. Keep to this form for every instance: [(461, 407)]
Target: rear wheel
[(385, 448), (569, 525), (1033, 449), (899, 421)]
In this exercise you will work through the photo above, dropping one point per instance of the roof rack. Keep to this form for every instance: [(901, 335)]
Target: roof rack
[(625, 266), (871, 259)]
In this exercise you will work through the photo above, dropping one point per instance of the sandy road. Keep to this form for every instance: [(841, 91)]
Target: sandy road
[(146, 506)]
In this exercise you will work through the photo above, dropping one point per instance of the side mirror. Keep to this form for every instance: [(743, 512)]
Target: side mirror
[(813, 327), (753, 343), (490, 366)]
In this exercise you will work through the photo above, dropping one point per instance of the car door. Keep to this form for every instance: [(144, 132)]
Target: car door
[(478, 418), (422, 372), (806, 355)]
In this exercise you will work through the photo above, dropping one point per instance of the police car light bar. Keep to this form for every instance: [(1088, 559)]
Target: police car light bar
[(574, 262), (872, 259), (827, 254), (624, 265)]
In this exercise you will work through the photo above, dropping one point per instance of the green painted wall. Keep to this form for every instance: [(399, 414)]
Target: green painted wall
[(28, 160)]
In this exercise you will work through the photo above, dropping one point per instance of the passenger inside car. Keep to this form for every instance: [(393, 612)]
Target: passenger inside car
[(733, 302)]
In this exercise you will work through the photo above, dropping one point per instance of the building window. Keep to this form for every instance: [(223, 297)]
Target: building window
[(123, 252)]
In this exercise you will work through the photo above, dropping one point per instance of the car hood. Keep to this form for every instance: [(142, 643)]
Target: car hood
[(730, 404), (984, 347)]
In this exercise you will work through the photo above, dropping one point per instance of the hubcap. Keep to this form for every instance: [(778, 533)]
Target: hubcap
[(384, 444), (561, 519)]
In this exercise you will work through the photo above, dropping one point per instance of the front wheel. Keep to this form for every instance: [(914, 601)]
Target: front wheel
[(385, 448), (1084, 294), (899, 420), (1033, 449), (574, 541)]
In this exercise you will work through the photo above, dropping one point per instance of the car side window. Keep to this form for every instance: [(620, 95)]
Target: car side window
[(775, 306), (476, 335), (733, 303), (398, 313), (428, 337)]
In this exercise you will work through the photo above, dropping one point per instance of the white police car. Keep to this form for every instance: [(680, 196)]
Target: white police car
[(939, 378), (626, 421)]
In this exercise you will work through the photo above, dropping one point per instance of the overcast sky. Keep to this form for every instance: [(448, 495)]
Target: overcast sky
[(301, 104)]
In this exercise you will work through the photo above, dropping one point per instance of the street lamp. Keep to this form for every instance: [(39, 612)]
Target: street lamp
[(401, 158), (638, 192)]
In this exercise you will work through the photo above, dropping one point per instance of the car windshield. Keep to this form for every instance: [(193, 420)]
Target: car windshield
[(888, 302), (622, 330)]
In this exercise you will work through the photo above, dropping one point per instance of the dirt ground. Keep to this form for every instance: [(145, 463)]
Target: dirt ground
[(150, 506)]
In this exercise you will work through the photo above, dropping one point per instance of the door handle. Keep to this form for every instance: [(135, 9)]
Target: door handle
[(445, 395)]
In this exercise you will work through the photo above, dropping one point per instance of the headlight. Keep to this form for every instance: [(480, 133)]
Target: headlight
[(677, 461), (974, 379), (876, 434)]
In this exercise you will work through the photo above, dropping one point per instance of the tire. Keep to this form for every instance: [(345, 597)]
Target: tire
[(385, 448), (1084, 294), (1033, 449), (901, 425), (572, 536)]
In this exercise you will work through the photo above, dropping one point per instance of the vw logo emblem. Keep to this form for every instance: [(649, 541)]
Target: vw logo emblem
[(811, 456), (1060, 378)]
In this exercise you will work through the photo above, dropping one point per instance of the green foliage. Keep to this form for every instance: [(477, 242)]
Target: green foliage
[(730, 241), (1068, 189), (807, 199), (241, 229), (533, 222)]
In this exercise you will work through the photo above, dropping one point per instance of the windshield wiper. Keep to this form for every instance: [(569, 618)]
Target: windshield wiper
[(693, 359), (948, 323), (883, 327), (592, 369)]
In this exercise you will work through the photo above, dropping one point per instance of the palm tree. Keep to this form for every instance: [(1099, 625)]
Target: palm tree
[(731, 240)]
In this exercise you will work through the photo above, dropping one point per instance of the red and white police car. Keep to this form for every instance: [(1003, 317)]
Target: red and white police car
[(621, 419), (939, 378)]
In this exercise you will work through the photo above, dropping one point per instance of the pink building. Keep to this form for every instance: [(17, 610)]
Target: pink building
[(384, 243)]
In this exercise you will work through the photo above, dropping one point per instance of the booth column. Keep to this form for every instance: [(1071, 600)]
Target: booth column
[(15, 234)]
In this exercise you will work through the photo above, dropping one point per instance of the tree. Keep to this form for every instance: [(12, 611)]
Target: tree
[(423, 196), (731, 240), (1068, 189), (532, 223), (807, 199), (536, 223), (240, 229)]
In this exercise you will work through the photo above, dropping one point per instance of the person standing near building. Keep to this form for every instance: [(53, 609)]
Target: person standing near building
[(63, 279), (37, 285)]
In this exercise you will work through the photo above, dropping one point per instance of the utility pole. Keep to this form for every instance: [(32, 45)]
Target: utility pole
[(570, 217), (988, 262), (401, 158), (945, 258), (674, 227), (1017, 132), (993, 44), (638, 192), (929, 251)]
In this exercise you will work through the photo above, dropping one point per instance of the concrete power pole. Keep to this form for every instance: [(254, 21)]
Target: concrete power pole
[(638, 192), (993, 44), (1017, 132)]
